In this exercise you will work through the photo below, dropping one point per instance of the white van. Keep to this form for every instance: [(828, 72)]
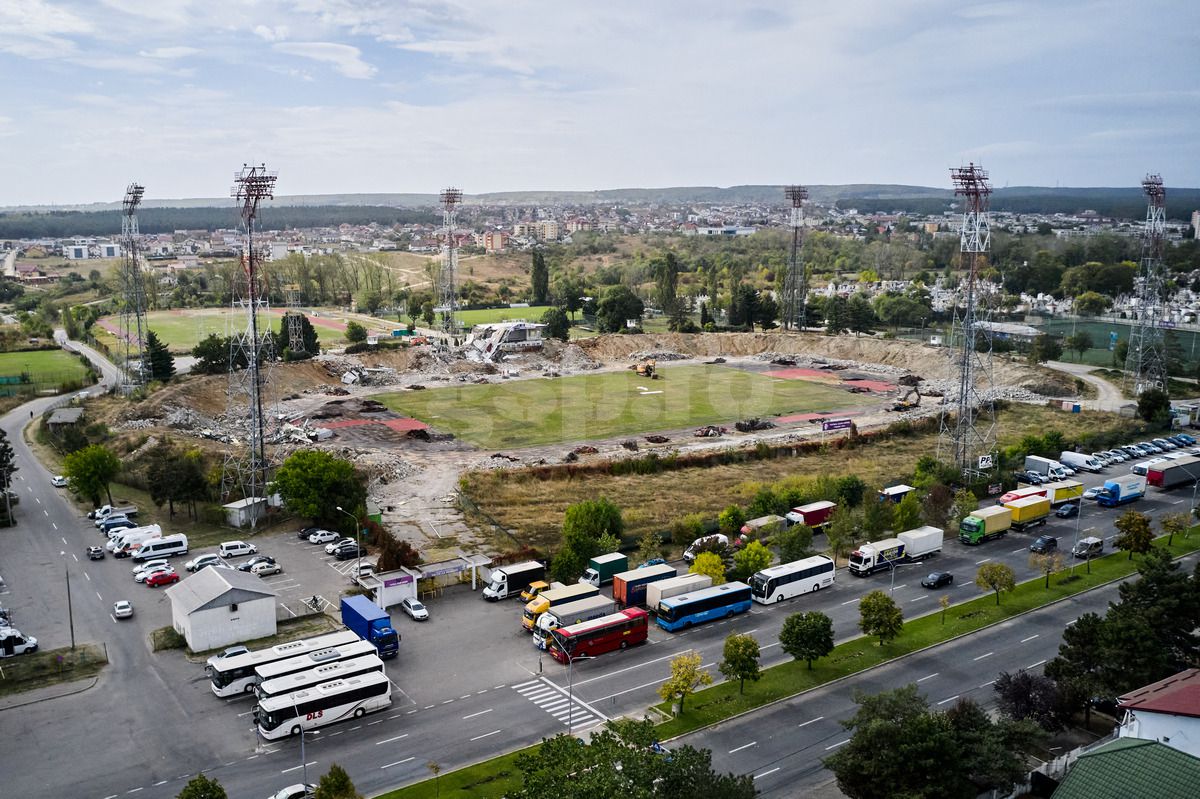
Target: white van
[(126, 545), (233, 549), (116, 535), (1078, 460), (689, 554), (164, 547)]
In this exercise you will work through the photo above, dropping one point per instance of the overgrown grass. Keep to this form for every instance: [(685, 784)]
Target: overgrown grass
[(42, 668)]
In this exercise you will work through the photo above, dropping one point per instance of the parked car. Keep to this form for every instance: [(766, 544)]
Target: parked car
[(162, 578), (331, 546), (58, 481), (200, 561), (346, 552), (228, 653), (1178, 441), (145, 575), (235, 549), (95, 553), (1188, 438), (415, 609), (1067, 511), (1044, 544), (652, 562), (938, 579), (1032, 478), (1103, 459), (322, 537), (1117, 455), (297, 791), (122, 609), (263, 569), (247, 565), (1092, 493), (1163, 444), (149, 564), (305, 532), (1155, 449)]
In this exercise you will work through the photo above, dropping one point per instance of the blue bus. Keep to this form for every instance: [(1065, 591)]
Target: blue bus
[(697, 607)]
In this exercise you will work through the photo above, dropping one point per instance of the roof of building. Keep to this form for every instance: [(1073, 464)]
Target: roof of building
[(1132, 768), (1178, 695), (214, 588), (65, 416)]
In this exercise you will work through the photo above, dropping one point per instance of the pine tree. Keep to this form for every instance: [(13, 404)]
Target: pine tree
[(161, 362), (540, 278)]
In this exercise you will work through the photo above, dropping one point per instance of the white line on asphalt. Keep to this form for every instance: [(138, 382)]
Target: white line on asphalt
[(485, 735), (1089, 529), (988, 655), (427, 707), (1018, 551), (339, 732), (852, 601), (836, 745), (484, 691), (160, 782), (922, 596), (398, 762), (498, 687), (114, 618), (75, 556), (951, 699), (480, 713), (989, 682), (965, 585), (521, 685), (743, 746), (135, 790), (1176, 502), (410, 712), (985, 560), (1030, 638), (297, 768), (1035, 665), (63, 540), (448, 701), (622, 671), (810, 721), (45, 511), (252, 757), (928, 677), (389, 740), (54, 525), (111, 796), (897, 588), (373, 723), (99, 597), (765, 773), (39, 500)]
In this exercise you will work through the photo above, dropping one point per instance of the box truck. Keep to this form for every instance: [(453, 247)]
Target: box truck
[(601, 568), (571, 613), (763, 526), (552, 598), (672, 586), (1122, 490), (506, 581), (985, 524), (371, 623), (1050, 469), (1169, 474), (1063, 491), (1029, 512), (1028, 491), (895, 493), (814, 514), (1079, 460), (629, 588), (908, 547)]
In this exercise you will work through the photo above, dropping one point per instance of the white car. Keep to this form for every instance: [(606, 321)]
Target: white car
[(1117, 455), (58, 481), (1102, 459), (330, 547), (228, 653), (297, 791), (122, 609), (198, 563), (322, 537), (141, 576), (263, 569), (1092, 493), (415, 609), (150, 564)]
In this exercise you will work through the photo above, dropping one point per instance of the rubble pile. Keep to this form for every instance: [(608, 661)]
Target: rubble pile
[(830, 364), (659, 355)]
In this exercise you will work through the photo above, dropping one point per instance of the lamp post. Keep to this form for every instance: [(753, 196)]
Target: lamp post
[(570, 679), (70, 609), (357, 539), (300, 724)]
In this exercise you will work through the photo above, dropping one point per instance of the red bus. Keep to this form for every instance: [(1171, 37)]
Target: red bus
[(618, 631)]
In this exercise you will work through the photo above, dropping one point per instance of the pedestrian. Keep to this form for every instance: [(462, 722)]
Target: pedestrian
[(31, 414)]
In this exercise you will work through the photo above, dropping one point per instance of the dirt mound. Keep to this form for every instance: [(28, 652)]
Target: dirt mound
[(207, 393)]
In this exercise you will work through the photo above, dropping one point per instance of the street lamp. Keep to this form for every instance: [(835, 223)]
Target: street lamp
[(358, 541), (300, 724), (570, 681)]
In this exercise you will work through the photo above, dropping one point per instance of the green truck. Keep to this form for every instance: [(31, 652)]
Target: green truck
[(985, 524), (601, 569)]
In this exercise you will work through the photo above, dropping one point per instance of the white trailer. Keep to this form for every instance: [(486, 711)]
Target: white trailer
[(657, 592)]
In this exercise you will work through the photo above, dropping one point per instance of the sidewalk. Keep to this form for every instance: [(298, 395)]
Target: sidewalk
[(12, 701)]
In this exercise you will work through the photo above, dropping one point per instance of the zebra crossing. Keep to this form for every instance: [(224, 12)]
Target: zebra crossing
[(558, 703)]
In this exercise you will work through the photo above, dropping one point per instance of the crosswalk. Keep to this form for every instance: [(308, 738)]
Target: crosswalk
[(558, 703)]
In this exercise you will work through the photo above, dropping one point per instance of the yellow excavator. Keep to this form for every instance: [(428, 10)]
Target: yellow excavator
[(646, 368), (911, 399)]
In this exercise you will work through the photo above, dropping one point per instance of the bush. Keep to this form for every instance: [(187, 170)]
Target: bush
[(687, 529)]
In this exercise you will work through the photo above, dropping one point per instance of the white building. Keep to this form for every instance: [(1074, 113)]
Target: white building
[(217, 607), (1167, 711), (109, 249)]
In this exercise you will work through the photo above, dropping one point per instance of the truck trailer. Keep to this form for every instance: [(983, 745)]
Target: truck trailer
[(1170, 474), (1029, 512), (570, 613), (1063, 491), (1018, 493), (1122, 490), (629, 588), (601, 568), (673, 586), (509, 581), (763, 526), (553, 598), (371, 623), (908, 547), (814, 514), (985, 524)]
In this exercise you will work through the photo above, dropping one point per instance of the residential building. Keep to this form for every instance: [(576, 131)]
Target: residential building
[(1167, 711), (1129, 768)]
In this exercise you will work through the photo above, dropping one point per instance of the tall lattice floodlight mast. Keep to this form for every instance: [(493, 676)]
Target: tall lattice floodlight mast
[(968, 422), (133, 309), (447, 290), (1146, 362), (795, 286), (293, 318), (251, 350)]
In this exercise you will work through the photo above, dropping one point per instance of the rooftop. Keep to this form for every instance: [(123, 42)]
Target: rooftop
[(1132, 768), (1178, 695)]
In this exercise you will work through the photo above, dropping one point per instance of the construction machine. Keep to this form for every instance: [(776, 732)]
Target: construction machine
[(646, 368), (910, 400)]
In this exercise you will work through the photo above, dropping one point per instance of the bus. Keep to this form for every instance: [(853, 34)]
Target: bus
[(627, 628), (338, 669), (697, 607), (299, 663), (327, 703), (791, 579), (235, 675)]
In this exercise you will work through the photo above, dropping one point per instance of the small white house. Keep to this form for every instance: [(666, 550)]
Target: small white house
[(214, 608), (1167, 711), (245, 511)]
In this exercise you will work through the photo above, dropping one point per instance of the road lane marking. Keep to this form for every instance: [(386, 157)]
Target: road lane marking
[(99, 597), (765, 773), (922, 596), (1176, 502), (480, 713), (485, 735), (297, 768), (988, 655), (55, 526), (928, 677), (399, 762), (389, 740), (1018, 551), (951, 699), (989, 682), (160, 782), (1030, 638), (373, 723), (810, 721), (897, 588), (979, 562), (852, 601), (135, 790), (63, 540), (39, 499), (836, 745), (621, 671), (75, 556), (1034, 665), (743, 746)]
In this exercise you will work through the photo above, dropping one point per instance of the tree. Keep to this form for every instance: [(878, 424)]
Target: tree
[(877, 517), (1091, 303), (807, 636), (709, 563), (907, 515), (996, 577), (212, 355), (427, 313), (159, 361), (860, 316), (740, 660), (964, 502), (880, 616), (569, 293), (1154, 406), (90, 470), (752, 558), (355, 332), (1080, 343), (991, 754), (1173, 524), (794, 543), (539, 278), (686, 677), (1045, 348), (836, 316), (1079, 667), (1046, 563), (842, 530), (1135, 533), (336, 784), (649, 547), (594, 518), (730, 520), (1034, 697), (666, 277), (314, 484), (618, 305), (557, 324), (201, 787)]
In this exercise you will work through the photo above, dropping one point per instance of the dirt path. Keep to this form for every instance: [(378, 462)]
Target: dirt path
[(1108, 396)]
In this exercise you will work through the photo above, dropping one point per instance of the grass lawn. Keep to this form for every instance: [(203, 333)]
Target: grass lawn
[(526, 413), (484, 316), (42, 668), (43, 365)]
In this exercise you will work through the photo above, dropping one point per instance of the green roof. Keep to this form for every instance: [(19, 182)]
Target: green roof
[(1132, 768)]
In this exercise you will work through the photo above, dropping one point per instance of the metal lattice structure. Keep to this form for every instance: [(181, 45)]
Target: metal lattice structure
[(968, 421), (795, 286), (447, 280), (251, 351), (293, 319), (1146, 362), (133, 289)]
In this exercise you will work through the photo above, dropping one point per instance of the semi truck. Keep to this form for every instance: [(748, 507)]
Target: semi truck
[(1122, 490), (629, 588), (601, 568), (371, 623), (553, 598), (907, 547), (814, 514), (673, 586), (1050, 469), (1029, 512), (506, 581), (1062, 491), (1169, 474), (985, 524), (570, 613)]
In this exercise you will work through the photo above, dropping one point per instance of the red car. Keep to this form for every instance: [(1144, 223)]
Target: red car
[(162, 578)]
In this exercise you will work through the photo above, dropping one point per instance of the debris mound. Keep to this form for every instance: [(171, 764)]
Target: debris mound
[(750, 425)]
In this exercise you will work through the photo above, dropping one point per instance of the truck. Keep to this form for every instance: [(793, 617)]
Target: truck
[(1018, 493), (371, 623), (553, 598), (535, 588), (601, 568), (1122, 490), (672, 586), (985, 524), (506, 581), (12, 642), (1029, 512), (1050, 469), (1080, 460), (570, 613), (1169, 474), (629, 588), (814, 514), (908, 547), (763, 525), (104, 511), (1062, 491), (895, 493)]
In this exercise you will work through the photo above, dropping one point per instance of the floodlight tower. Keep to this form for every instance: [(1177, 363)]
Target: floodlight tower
[(1146, 362), (447, 294), (968, 422), (795, 286), (250, 349), (133, 310), (293, 319)]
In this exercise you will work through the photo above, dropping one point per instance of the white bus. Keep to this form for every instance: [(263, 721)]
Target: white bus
[(235, 675), (339, 670), (791, 579), (328, 703), (299, 663)]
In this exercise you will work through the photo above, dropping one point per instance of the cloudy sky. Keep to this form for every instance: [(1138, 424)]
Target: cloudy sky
[(494, 95)]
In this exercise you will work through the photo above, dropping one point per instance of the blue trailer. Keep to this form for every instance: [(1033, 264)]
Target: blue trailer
[(1122, 490), (371, 623)]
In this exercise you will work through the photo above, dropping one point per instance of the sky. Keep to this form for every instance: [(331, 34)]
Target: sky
[(343, 96)]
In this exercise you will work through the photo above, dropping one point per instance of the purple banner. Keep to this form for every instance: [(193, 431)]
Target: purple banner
[(405, 580), (835, 424)]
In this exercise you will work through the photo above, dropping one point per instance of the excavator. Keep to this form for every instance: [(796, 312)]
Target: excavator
[(646, 368), (911, 399)]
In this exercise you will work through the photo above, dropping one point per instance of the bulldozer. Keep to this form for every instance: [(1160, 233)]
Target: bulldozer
[(646, 368), (911, 399)]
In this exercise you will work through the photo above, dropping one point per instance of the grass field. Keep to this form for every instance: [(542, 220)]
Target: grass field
[(484, 316), (531, 412), (1100, 355), (42, 365)]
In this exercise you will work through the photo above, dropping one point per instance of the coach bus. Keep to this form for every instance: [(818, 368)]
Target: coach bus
[(235, 675), (302, 663), (616, 631), (697, 607), (327, 703), (338, 670), (791, 579)]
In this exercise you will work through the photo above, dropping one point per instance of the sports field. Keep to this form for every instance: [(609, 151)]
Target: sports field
[(46, 368), (526, 413), (484, 316)]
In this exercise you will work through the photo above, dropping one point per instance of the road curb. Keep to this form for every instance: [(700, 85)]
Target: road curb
[(91, 684)]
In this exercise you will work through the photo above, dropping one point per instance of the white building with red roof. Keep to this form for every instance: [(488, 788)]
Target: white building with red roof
[(1167, 711)]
